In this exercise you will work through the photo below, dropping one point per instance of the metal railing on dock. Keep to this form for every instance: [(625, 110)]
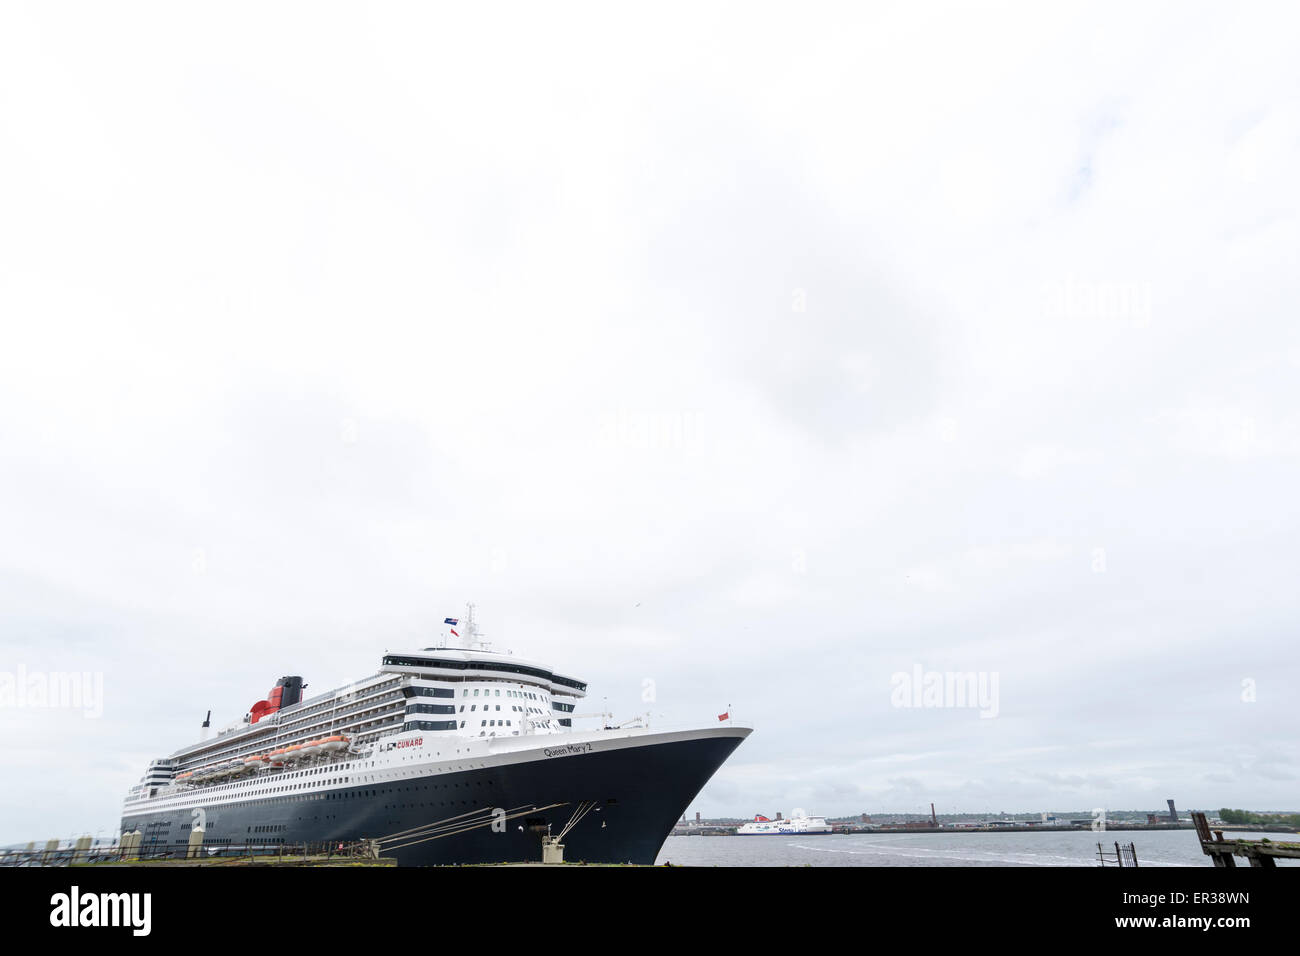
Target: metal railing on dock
[(1124, 856), (321, 853)]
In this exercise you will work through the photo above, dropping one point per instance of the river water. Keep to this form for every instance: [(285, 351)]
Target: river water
[(1061, 848)]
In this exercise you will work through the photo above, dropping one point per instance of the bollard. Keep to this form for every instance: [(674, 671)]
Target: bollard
[(81, 849), (137, 838), (552, 850)]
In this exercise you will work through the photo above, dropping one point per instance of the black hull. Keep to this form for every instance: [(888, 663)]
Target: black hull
[(640, 792)]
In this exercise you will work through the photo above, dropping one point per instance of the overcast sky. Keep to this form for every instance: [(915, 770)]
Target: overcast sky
[(761, 353)]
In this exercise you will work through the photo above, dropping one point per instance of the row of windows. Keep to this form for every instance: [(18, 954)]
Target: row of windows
[(431, 708), (428, 692), (474, 707), (519, 694), (498, 723), (397, 661), (431, 725)]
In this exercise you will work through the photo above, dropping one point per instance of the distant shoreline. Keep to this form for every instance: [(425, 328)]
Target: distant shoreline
[(730, 830)]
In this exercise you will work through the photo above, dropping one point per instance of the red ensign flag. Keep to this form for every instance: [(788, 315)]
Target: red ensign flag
[(724, 716)]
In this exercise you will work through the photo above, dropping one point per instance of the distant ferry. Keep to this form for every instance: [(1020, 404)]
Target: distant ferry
[(799, 824), (397, 756)]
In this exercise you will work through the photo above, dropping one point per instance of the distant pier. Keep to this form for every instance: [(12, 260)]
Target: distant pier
[(885, 828)]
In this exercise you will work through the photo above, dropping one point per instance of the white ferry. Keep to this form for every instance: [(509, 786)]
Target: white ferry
[(799, 824)]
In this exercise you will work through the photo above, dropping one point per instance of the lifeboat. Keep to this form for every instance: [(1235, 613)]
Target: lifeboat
[(293, 753), (253, 763), (276, 757), (311, 748), (335, 743)]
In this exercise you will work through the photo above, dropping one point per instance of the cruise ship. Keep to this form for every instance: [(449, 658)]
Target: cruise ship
[(799, 824), (446, 755)]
